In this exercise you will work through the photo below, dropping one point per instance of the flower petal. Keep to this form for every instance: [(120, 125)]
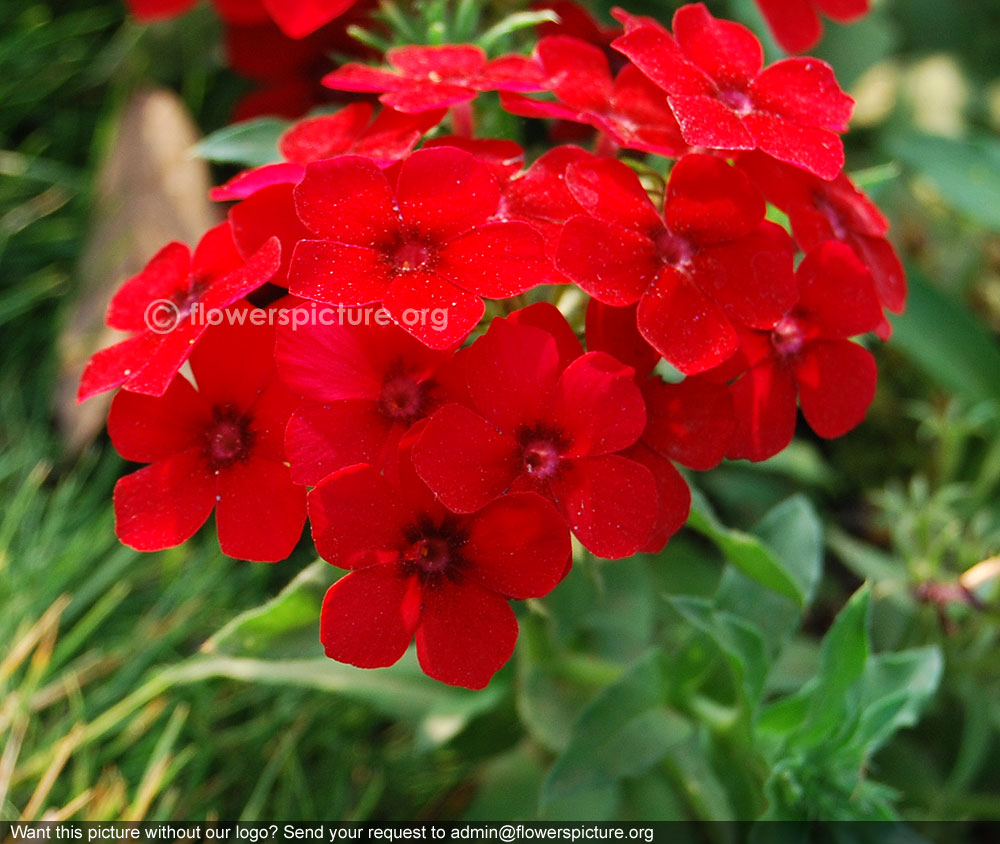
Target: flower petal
[(611, 263), (164, 504), (518, 546), (444, 191), (606, 502), (690, 422), (260, 512), (466, 634), (435, 311), (348, 200), (357, 518), (836, 381), (338, 273), (496, 260), (598, 405), (727, 51), (684, 325), (764, 407), (464, 460), (146, 428), (363, 621)]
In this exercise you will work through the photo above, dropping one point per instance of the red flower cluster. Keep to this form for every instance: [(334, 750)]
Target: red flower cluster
[(447, 437)]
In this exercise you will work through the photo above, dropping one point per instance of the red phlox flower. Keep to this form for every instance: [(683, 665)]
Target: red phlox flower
[(807, 355), (364, 385), (423, 78), (218, 446), (536, 423), (629, 109), (429, 244), (819, 211), (156, 307), (540, 196), (420, 571), (712, 72), (389, 137), (504, 158), (710, 260), (576, 21), (796, 24), (296, 18)]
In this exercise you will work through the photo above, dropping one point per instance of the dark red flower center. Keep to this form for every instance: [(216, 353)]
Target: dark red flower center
[(434, 549), (787, 337), (674, 249), (411, 254), (541, 451), (736, 100), (228, 438), (403, 398)]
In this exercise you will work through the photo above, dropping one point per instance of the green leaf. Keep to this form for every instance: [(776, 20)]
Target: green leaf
[(943, 338), (965, 172), (793, 531), (625, 731), (287, 625), (400, 691), (740, 643), (894, 690), (251, 143), (748, 553)]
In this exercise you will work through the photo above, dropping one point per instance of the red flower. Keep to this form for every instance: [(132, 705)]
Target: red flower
[(712, 73), (424, 78), (156, 306), (365, 385), (541, 197), (710, 260), (386, 139), (819, 211), (296, 18), (418, 570), (219, 446), (543, 423), (808, 355), (575, 20), (796, 24), (426, 245), (629, 109)]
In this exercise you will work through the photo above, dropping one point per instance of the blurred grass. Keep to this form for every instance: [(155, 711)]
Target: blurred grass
[(92, 728)]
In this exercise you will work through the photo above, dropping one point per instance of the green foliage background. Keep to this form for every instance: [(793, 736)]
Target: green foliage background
[(805, 649)]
